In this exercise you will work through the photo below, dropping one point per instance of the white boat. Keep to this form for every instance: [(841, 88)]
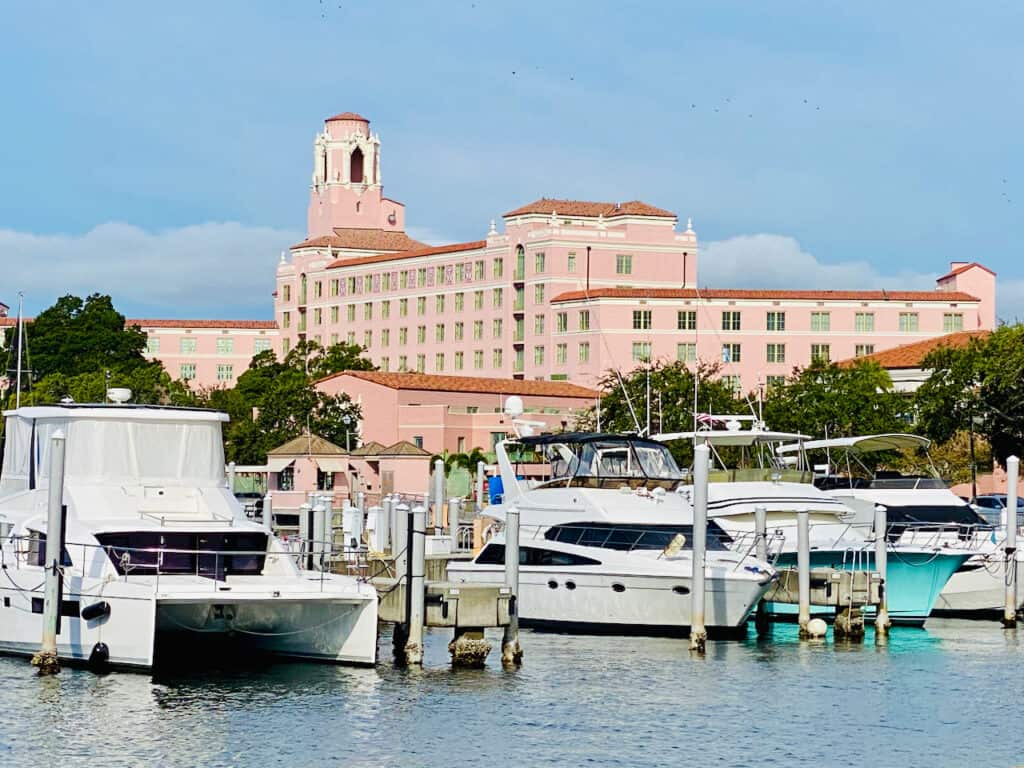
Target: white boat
[(606, 542), (917, 570), (921, 510), (160, 560)]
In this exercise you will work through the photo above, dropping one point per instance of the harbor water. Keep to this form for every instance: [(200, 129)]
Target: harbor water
[(933, 697)]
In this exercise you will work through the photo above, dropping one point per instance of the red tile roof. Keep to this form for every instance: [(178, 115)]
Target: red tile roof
[(248, 324), (359, 239), (960, 270), (453, 248), (346, 116), (743, 293), (911, 355), (436, 383), (583, 208)]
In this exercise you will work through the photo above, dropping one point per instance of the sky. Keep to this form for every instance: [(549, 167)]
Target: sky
[(162, 153)]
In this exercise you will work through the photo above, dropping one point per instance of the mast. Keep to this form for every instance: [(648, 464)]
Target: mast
[(21, 340)]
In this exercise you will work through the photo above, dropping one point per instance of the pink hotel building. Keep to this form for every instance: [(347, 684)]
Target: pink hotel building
[(566, 290)]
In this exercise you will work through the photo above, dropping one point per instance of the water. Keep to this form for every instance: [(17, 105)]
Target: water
[(932, 697)]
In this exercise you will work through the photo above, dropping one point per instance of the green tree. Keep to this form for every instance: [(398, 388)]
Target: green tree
[(318, 362)]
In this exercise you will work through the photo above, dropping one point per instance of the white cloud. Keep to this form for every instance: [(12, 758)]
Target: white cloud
[(219, 269)]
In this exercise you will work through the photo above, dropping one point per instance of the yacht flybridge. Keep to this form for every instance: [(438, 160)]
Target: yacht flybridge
[(606, 540), (158, 555)]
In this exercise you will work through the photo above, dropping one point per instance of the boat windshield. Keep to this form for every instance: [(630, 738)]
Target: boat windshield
[(606, 460)]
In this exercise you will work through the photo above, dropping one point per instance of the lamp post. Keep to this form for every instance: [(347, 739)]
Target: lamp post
[(347, 420)]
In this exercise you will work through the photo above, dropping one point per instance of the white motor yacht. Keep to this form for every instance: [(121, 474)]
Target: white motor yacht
[(606, 541), (921, 510), (159, 559)]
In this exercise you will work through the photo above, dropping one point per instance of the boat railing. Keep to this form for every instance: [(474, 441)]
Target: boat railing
[(949, 536)]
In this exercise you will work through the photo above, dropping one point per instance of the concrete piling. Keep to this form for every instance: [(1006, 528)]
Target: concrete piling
[(761, 623), (803, 567), (882, 622), (479, 506), (268, 514), (511, 651), (698, 631), (416, 585), (401, 545), (231, 476), (327, 529), (438, 492), (377, 524), (1012, 479), (46, 660), (454, 508)]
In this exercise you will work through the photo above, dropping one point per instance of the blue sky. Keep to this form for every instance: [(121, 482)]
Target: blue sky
[(162, 153)]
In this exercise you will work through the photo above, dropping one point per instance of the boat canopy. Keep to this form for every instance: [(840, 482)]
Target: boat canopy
[(862, 444), (604, 457), (740, 437)]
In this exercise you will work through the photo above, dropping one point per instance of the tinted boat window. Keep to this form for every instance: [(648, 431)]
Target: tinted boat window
[(631, 537), (494, 554), (202, 554)]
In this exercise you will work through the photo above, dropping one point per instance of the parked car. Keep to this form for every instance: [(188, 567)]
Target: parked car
[(991, 506)]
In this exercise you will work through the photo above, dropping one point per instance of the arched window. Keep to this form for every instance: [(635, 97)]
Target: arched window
[(356, 175)]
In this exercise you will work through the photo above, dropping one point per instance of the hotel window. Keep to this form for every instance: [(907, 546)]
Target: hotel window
[(367, 339), (286, 345), (952, 322), (459, 360), (820, 353), (460, 272), (686, 320), (478, 329), (562, 322), (497, 358), (286, 292), (421, 277), (439, 362), (385, 310), (403, 336), (403, 363), (421, 305), (520, 299), (623, 264), (318, 317), (386, 284), (334, 339), (478, 299), (286, 478), (497, 298), (538, 325), (584, 319), (821, 322), (403, 280), (385, 337), (262, 345), (686, 352), (350, 284), (908, 321), (860, 350), (776, 381), (351, 338), (538, 294), (318, 289), (538, 263), (187, 346), (335, 287), (439, 332), (776, 321), (367, 283), (421, 334), (286, 319), (335, 313), (641, 351), (439, 304), (641, 319), (187, 371), (226, 345), (368, 311), (584, 352), (733, 383), (153, 344), (776, 353), (498, 268), (460, 302), (864, 322), (571, 262), (350, 313), (459, 330), (421, 363), (385, 364), (417, 440), (403, 307), (561, 353), (538, 355), (730, 353), (730, 321), (225, 372), (478, 359), (497, 328), (478, 270), (440, 276)]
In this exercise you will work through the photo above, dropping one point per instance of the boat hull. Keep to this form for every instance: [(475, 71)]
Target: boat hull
[(978, 589)]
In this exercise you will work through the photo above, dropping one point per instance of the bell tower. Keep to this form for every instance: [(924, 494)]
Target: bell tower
[(346, 190)]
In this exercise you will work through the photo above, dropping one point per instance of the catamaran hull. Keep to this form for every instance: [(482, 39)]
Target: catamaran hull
[(978, 589)]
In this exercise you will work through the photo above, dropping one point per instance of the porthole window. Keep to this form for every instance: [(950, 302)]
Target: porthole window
[(552, 584), (570, 585), (681, 590), (618, 587)]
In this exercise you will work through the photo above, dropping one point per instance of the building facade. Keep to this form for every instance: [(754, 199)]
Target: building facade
[(566, 290)]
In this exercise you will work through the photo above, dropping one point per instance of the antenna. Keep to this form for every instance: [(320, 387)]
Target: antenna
[(21, 340)]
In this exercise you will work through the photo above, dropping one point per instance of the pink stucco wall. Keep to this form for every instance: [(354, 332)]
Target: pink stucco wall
[(208, 353)]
